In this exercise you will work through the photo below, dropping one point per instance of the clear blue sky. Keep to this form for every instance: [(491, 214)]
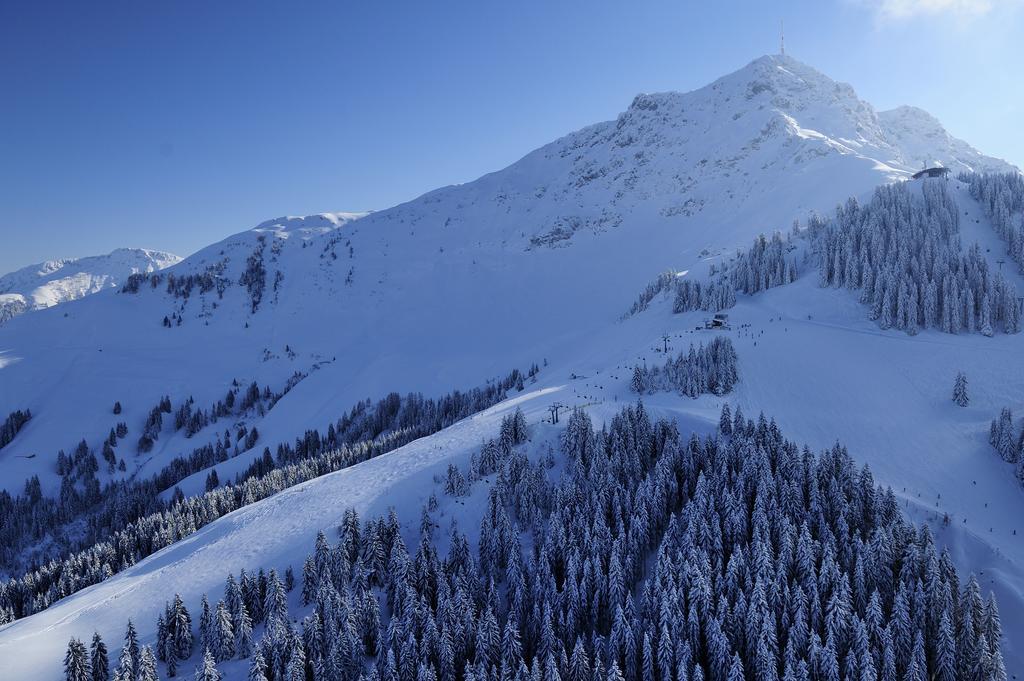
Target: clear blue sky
[(171, 125)]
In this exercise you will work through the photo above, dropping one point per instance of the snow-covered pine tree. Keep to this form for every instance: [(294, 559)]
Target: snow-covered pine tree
[(76, 662), (638, 384), (205, 624), (125, 669), (651, 555), (903, 252), (960, 390), (147, 666), (207, 669), (99, 659), (708, 368), (243, 635), (725, 420), (258, 668), (114, 508), (179, 627), (223, 634)]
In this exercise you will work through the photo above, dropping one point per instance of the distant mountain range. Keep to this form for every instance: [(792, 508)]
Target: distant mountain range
[(57, 281)]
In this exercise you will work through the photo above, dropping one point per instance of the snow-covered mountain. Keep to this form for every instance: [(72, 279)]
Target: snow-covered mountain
[(466, 281), (469, 280), (533, 263), (922, 141), (57, 281)]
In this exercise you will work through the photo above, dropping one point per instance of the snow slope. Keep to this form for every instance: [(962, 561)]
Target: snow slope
[(464, 282), (58, 281)]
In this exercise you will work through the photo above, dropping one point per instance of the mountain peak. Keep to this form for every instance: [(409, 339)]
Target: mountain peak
[(781, 72), (781, 63), (770, 83), (777, 95)]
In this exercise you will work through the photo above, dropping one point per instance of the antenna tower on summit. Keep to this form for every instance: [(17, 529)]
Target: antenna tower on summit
[(782, 37)]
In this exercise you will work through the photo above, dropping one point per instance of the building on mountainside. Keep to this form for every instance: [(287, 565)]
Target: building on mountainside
[(935, 171), (719, 321)]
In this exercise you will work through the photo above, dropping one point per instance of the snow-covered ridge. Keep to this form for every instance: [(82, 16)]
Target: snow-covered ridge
[(58, 281), (283, 235), (774, 131), (675, 155), (921, 140), (308, 225)]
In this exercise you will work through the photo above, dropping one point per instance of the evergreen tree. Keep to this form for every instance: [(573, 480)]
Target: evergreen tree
[(736, 669), (638, 385), (206, 626), (180, 623), (243, 635), (902, 250), (99, 659), (147, 665), (960, 390), (289, 579), (917, 670), (125, 670), (207, 669), (511, 647), (131, 644), (76, 662), (296, 665), (224, 634), (945, 660), (258, 668), (705, 369)]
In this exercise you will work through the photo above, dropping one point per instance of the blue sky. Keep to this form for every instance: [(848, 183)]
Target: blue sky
[(172, 125)]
